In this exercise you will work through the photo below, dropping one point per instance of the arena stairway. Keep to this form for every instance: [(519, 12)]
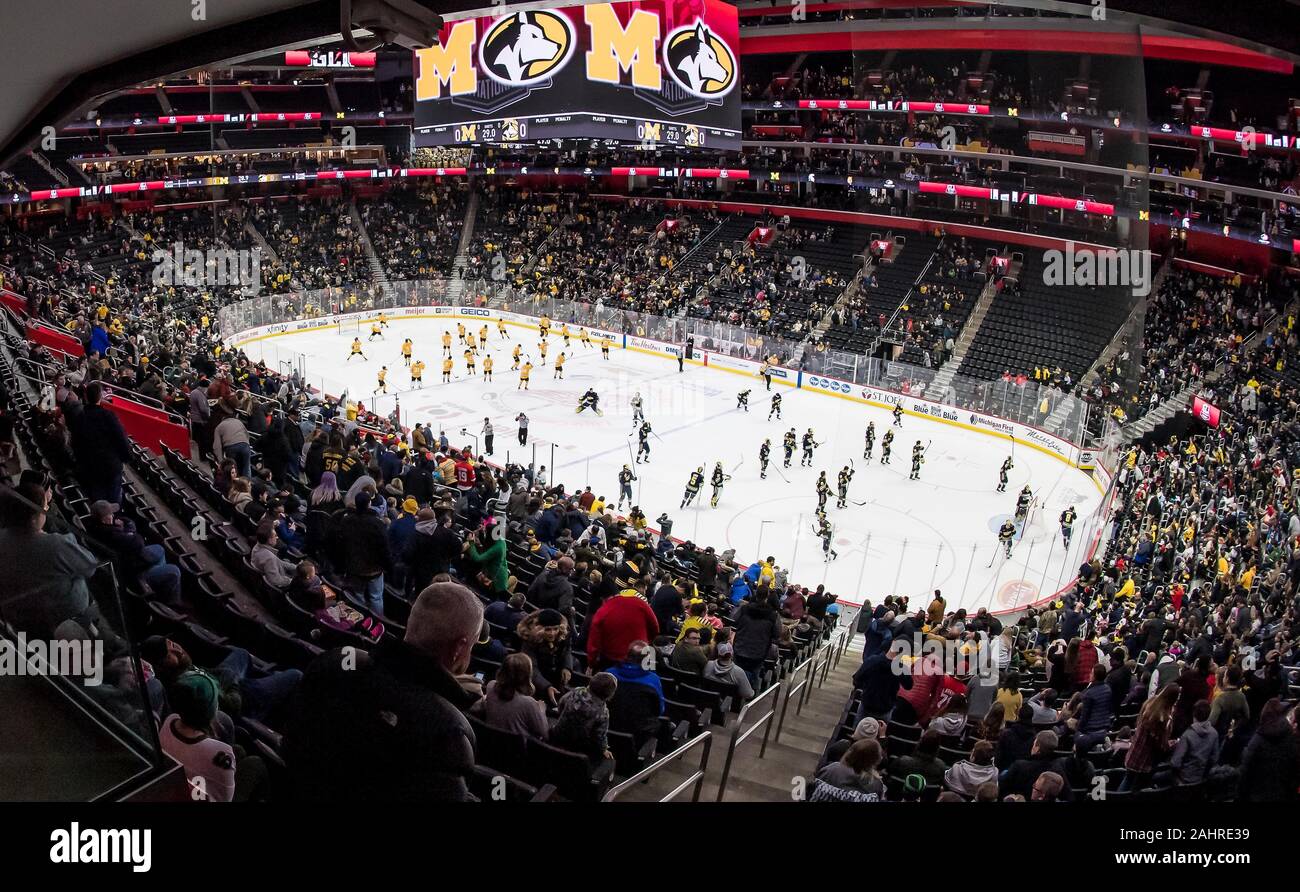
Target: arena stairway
[(377, 272), (456, 287), (806, 710), (943, 379)]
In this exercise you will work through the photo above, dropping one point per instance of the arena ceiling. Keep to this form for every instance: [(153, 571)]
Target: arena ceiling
[(63, 55)]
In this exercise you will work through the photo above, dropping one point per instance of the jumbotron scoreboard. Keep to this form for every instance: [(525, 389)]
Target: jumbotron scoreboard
[(649, 72)]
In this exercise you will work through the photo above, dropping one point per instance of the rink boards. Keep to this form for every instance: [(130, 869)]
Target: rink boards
[(989, 425)]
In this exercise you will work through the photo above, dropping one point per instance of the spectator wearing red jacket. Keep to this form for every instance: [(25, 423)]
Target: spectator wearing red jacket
[(1080, 657), (917, 704), (618, 622)]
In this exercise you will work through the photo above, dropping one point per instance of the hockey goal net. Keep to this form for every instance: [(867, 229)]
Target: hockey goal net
[(1034, 526), (350, 326)]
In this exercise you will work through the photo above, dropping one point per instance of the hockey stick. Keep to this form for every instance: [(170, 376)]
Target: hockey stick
[(777, 468), (738, 464)]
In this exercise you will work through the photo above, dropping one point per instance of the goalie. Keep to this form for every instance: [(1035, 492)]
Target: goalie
[(589, 400), (1023, 502)]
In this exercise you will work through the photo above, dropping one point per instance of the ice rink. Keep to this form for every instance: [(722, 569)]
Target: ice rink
[(909, 537)]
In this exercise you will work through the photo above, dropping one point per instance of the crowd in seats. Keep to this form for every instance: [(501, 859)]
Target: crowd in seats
[(345, 531), (880, 291), (315, 243), (772, 289), (415, 232), (510, 226), (1193, 322)]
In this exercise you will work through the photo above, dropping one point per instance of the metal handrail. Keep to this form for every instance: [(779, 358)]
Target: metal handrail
[(738, 737), (696, 778), (793, 691)]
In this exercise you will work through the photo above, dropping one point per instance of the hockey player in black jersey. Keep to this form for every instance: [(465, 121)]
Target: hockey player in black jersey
[(918, 459), (1002, 474), (870, 441), (846, 475), (788, 446), (823, 490), (776, 407), (1067, 524), (886, 444), (590, 400), (826, 533), (742, 400), (625, 478), (1007, 535), (719, 477), (643, 443), (764, 453), (693, 486), (898, 416), (809, 443)]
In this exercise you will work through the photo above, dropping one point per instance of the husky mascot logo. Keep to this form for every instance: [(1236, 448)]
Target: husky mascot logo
[(700, 62), (526, 47)]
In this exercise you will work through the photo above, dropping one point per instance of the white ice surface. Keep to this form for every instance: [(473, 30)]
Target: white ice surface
[(909, 538)]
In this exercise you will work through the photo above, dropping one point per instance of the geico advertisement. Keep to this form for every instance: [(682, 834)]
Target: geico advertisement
[(642, 68)]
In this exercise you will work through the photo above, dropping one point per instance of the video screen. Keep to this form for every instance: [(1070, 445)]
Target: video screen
[(644, 71)]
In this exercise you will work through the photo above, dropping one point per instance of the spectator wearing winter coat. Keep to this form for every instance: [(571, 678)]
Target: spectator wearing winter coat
[(544, 637), (430, 550), (879, 681), (549, 524), (668, 604), (1071, 620), (1096, 710), (133, 556), (552, 588), (1197, 749), (687, 655), (1230, 705), (1166, 670), (506, 614), (1194, 685), (401, 531), (377, 708), (758, 630), (1270, 766), (924, 760), (878, 635), (100, 446), (275, 448), (363, 543), (1016, 740), (1020, 778), (583, 723), (916, 705)]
